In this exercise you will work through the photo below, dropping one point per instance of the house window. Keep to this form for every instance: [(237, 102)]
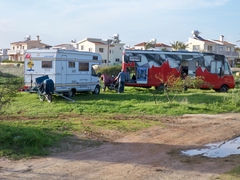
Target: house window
[(228, 49), (101, 50), (82, 47), (46, 64), (196, 48), (90, 49), (111, 52), (220, 49), (117, 60), (83, 66), (13, 47), (33, 47), (23, 47), (120, 48), (209, 48), (71, 64)]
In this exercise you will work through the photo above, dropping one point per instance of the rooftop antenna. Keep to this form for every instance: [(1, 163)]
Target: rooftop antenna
[(195, 33)]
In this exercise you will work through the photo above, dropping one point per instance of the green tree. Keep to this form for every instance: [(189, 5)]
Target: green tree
[(178, 45), (149, 45), (9, 87)]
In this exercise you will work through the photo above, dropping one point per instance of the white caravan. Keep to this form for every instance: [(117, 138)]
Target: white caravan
[(71, 71)]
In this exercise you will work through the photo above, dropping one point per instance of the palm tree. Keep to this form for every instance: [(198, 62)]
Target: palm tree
[(149, 45), (179, 45)]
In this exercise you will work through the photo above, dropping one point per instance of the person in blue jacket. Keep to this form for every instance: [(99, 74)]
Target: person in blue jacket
[(121, 81)]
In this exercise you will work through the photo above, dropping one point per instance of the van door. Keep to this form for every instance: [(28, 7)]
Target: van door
[(142, 75), (64, 69), (192, 68)]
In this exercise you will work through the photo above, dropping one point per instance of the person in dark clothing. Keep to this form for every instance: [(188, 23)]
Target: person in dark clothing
[(121, 81)]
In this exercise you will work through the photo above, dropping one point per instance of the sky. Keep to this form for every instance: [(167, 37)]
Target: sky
[(167, 21)]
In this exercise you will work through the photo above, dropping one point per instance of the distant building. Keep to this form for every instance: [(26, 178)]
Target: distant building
[(111, 49), (71, 46), (197, 43), (3, 54), (18, 49), (158, 46)]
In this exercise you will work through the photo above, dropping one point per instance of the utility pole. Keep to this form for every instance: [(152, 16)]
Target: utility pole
[(108, 49)]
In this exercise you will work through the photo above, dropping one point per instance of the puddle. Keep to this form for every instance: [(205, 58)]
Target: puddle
[(217, 150)]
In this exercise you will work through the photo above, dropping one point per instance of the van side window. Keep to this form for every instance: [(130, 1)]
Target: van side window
[(93, 73), (46, 64), (83, 67), (95, 57), (215, 67)]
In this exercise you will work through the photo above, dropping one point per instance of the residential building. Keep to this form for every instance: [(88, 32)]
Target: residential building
[(111, 49), (18, 49), (72, 46), (3, 54), (197, 43), (158, 46)]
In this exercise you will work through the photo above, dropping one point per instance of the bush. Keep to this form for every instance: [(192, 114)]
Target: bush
[(109, 70)]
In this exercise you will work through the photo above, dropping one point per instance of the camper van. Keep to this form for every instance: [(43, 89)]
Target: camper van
[(71, 71), (150, 65)]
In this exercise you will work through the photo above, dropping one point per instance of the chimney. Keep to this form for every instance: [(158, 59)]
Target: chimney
[(221, 38), (38, 38)]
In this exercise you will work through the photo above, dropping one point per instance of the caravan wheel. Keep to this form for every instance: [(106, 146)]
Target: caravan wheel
[(70, 93), (96, 90)]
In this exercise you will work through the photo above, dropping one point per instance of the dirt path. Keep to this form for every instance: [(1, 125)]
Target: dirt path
[(154, 153)]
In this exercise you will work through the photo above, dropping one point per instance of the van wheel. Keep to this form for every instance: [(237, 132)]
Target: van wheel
[(160, 87), (223, 88), (96, 90)]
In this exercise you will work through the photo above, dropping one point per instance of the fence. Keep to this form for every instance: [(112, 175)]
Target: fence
[(14, 69)]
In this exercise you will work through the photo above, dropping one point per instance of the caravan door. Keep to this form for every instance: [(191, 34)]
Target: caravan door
[(64, 69), (142, 75)]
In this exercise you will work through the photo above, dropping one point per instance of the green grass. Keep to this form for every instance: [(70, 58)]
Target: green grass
[(138, 101), (29, 127)]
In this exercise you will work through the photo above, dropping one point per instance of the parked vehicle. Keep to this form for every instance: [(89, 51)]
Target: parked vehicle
[(71, 71), (151, 65)]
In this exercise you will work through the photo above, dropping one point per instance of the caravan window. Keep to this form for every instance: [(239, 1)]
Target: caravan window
[(71, 64), (46, 64), (83, 66)]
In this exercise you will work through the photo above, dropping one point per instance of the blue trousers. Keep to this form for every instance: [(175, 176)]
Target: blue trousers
[(121, 87)]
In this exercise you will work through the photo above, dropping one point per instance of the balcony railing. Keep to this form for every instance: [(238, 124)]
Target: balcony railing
[(227, 53), (15, 52)]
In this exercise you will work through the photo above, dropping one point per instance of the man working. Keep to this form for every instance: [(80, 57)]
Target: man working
[(121, 81)]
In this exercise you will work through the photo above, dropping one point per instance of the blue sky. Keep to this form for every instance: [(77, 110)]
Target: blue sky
[(136, 21)]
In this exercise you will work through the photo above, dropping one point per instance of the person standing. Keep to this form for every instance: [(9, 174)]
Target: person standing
[(121, 81)]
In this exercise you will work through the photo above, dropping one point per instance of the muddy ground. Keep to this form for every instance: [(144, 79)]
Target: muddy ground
[(154, 153)]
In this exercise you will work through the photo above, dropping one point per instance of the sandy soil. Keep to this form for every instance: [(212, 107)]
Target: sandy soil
[(154, 153)]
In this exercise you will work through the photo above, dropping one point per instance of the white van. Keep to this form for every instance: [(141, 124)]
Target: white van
[(71, 71)]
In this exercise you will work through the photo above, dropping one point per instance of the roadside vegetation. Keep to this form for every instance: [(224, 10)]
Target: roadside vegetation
[(30, 127)]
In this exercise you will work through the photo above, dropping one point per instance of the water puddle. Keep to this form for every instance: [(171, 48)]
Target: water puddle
[(217, 150)]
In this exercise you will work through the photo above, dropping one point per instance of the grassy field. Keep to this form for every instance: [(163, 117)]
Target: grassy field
[(30, 127)]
